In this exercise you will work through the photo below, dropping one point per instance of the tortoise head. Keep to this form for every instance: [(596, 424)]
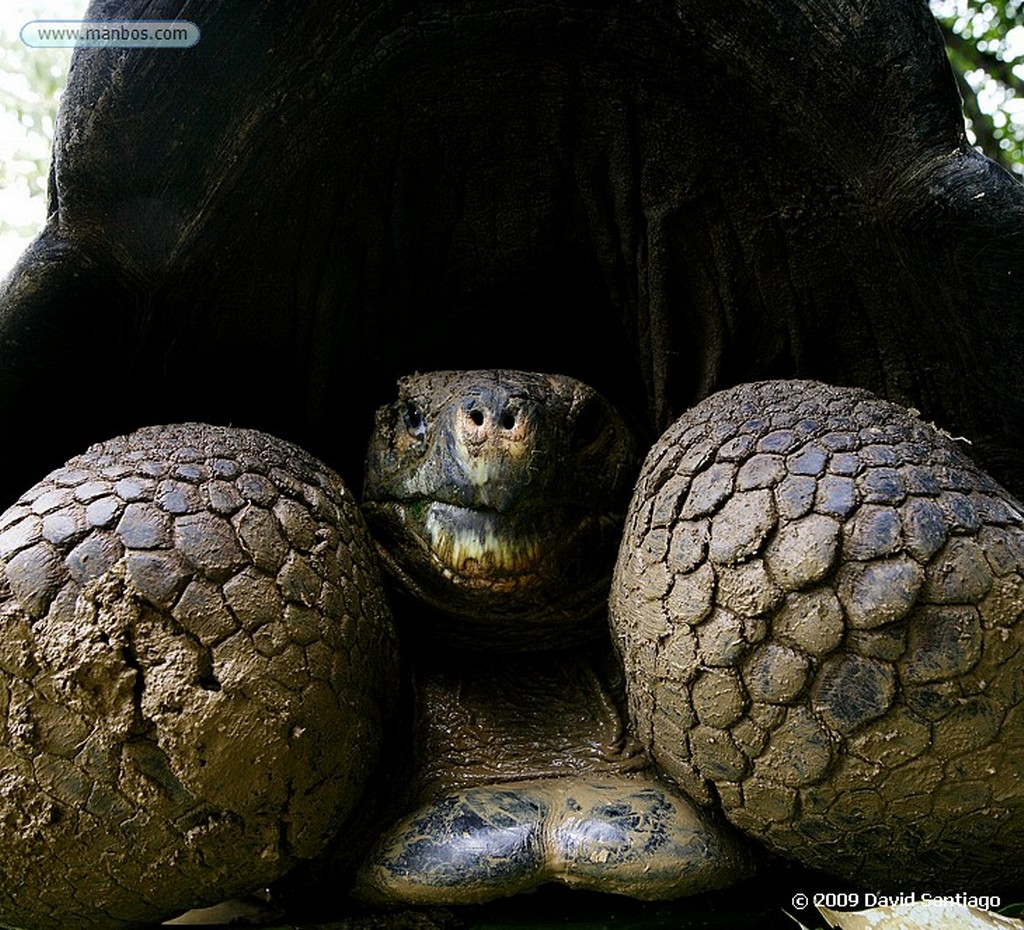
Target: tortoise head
[(497, 497)]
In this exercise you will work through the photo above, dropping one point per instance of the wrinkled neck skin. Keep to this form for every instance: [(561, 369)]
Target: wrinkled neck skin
[(482, 719), (496, 500), (482, 716)]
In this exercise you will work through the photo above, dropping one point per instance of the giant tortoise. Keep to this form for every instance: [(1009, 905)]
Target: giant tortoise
[(813, 641), (663, 199)]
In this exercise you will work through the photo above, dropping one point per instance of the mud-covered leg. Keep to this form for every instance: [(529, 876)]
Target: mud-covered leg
[(633, 836), (818, 602), (195, 657)]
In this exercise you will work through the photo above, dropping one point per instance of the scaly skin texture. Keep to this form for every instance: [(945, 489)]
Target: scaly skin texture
[(816, 606), (192, 639), (818, 603)]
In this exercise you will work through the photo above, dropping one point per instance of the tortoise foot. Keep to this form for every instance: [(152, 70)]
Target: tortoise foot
[(630, 836), (819, 604)]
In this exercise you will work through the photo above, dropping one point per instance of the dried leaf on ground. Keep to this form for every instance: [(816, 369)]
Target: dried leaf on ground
[(922, 915)]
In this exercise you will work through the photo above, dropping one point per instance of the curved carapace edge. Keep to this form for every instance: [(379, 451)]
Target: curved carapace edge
[(560, 187), (497, 497)]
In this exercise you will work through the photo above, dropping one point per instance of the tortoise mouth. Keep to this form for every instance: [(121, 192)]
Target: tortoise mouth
[(525, 578), (482, 545)]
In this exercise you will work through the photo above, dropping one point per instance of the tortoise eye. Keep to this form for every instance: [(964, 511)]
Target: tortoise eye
[(590, 427), (413, 419)]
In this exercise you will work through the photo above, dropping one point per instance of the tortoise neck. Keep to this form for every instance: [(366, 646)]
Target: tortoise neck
[(487, 718)]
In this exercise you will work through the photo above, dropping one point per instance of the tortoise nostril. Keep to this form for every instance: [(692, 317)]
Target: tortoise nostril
[(477, 417), (508, 420)]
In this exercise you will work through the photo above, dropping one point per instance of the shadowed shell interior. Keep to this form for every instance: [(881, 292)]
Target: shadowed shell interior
[(497, 498)]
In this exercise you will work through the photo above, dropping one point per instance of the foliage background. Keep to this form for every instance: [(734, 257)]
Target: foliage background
[(985, 40), (30, 84)]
